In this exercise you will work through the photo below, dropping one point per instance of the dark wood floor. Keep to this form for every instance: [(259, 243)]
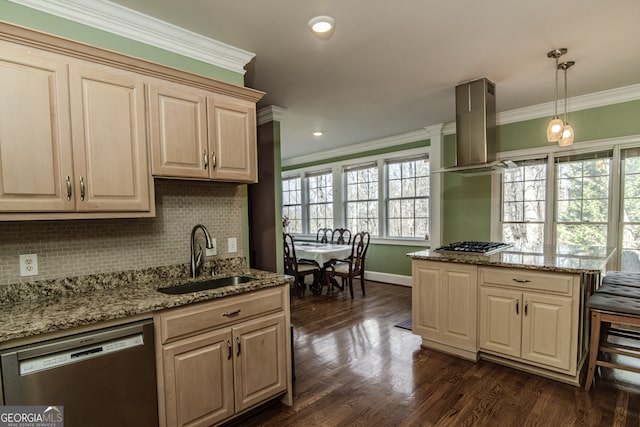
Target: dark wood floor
[(354, 368)]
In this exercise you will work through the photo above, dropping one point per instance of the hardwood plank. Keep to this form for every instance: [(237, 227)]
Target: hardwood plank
[(354, 368)]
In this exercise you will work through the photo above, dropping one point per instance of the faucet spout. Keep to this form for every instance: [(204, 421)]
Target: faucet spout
[(196, 258)]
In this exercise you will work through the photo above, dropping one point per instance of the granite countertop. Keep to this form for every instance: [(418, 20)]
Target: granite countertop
[(30, 309), (563, 259)]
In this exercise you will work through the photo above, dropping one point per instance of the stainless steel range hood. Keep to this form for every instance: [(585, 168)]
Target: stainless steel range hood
[(475, 127)]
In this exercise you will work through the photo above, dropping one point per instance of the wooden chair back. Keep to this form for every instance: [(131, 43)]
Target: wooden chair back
[(341, 236), (324, 235), (290, 260), (359, 248)]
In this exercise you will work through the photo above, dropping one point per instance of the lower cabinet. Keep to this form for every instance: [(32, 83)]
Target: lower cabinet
[(530, 317), (531, 326), (445, 306), (227, 364)]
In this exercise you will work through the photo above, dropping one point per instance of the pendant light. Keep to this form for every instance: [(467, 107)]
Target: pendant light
[(567, 129), (555, 126)]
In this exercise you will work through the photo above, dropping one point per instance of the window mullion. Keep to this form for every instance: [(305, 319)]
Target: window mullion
[(382, 196), (304, 188)]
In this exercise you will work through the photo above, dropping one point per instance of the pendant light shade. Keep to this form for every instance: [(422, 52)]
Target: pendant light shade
[(554, 129), (567, 135)]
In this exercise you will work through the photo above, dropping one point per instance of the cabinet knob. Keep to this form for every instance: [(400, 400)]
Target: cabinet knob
[(231, 313), (526, 308), (213, 160), (521, 280), (238, 342), (230, 350), (517, 306), (206, 160)]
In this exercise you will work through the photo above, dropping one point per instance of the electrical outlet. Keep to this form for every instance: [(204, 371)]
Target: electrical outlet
[(213, 251), (29, 265), (232, 245)]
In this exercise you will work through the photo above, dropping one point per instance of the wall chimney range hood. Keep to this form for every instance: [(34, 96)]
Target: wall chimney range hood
[(476, 128)]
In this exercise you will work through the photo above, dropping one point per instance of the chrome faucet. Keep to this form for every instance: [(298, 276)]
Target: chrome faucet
[(196, 259)]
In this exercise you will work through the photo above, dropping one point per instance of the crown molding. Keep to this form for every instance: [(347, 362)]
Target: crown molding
[(272, 113), (376, 144), (119, 20), (576, 103)]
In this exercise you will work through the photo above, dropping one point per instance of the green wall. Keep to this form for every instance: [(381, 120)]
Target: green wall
[(31, 18)]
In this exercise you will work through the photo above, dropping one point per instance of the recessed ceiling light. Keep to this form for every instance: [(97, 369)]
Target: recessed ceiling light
[(322, 26), (317, 133)]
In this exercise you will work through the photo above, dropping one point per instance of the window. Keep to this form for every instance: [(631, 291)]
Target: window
[(408, 198), (523, 204), (292, 204), (386, 195), (582, 210), (630, 215), (320, 189), (362, 199)]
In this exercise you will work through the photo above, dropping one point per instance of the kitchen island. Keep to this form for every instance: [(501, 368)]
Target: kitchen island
[(525, 310)]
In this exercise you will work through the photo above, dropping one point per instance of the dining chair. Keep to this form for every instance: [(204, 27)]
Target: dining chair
[(353, 265), (341, 236), (299, 268), (324, 235)]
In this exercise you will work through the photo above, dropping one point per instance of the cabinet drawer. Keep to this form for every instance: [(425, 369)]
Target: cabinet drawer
[(526, 279), (181, 322)]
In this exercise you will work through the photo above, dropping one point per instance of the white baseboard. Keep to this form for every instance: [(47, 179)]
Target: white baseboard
[(395, 279)]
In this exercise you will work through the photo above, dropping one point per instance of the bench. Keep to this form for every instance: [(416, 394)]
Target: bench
[(616, 302)]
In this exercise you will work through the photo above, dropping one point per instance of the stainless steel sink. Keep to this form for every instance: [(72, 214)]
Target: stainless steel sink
[(205, 285)]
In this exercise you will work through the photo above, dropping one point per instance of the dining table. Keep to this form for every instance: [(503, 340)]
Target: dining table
[(322, 253)]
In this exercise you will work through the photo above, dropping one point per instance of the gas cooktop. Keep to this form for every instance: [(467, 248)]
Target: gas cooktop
[(482, 248)]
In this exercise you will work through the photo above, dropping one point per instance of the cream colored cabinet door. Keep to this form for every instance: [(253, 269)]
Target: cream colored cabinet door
[(109, 140), (36, 168), (546, 330), (232, 139), (260, 360), (500, 320), (445, 303), (198, 380), (178, 131)]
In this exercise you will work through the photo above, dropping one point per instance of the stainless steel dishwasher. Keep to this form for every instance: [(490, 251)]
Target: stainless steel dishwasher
[(102, 378)]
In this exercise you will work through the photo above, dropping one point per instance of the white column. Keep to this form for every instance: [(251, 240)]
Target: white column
[(435, 182)]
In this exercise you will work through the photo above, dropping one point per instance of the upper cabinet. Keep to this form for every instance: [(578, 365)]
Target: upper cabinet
[(72, 136), (109, 139), (232, 139), (201, 134), (35, 136), (78, 126)]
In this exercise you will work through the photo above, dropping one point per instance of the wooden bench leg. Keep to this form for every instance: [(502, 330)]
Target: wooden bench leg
[(594, 347)]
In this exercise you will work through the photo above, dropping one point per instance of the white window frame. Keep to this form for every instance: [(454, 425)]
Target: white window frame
[(339, 187), (615, 199)]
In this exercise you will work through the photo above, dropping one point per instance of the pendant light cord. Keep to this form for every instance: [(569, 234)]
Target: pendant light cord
[(556, 114)]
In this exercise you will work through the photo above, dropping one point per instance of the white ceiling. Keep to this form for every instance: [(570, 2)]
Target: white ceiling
[(391, 67)]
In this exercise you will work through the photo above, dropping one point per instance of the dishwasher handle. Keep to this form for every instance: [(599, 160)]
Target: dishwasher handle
[(88, 339)]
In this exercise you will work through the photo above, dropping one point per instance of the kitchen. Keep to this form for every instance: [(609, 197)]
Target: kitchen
[(79, 247)]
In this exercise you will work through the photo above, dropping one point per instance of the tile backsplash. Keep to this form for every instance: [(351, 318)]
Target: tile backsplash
[(78, 247)]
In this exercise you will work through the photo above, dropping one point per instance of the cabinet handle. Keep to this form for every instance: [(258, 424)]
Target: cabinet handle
[(238, 342), (213, 160), (526, 308), (521, 280), (517, 306), (231, 313), (82, 189), (230, 350), (206, 160), (68, 188)]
